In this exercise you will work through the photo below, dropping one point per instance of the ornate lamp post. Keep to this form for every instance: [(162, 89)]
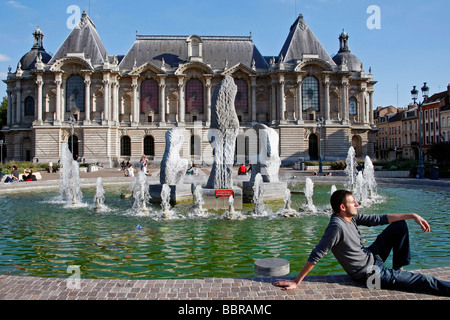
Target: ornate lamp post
[(320, 123), (415, 95), (1, 151)]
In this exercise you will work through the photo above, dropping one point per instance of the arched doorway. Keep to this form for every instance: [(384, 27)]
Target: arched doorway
[(313, 147), (357, 145), (73, 143), (26, 149), (149, 146), (196, 149)]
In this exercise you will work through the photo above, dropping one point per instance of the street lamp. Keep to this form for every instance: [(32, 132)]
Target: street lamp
[(1, 151), (320, 123), (72, 122), (415, 95)]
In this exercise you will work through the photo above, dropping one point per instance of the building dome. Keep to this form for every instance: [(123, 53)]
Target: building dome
[(345, 56), (28, 61)]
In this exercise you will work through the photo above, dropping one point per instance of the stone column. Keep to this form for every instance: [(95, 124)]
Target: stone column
[(345, 112), (371, 108), (363, 115), (106, 97), (282, 99), (274, 102), (181, 102), (300, 99), (40, 84), (18, 102), (208, 101), (9, 111), (327, 99), (87, 97), (162, 100), (58, 82), (135, 112), (253, 79)]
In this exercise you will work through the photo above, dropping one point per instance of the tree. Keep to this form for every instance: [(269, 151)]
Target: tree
[(440, 152), (3, 112)]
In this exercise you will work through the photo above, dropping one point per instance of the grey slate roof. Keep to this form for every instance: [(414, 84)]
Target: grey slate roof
[(83, 39), (174, 49), (301, 40)]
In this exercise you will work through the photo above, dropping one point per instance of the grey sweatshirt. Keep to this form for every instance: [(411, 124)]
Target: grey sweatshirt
[(344, 240)]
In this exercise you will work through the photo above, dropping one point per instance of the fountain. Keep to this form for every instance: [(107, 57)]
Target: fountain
[(287, 211), (309, 192), (141, 194), (70, 184), (258, 196), (199, 202), (369, 178), (351, 169), (99, 199), (173, 169)]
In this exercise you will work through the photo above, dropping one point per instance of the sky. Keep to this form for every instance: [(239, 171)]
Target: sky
[(405, 42)]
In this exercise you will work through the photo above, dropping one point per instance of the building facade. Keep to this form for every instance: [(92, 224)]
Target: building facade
[(112, 108)]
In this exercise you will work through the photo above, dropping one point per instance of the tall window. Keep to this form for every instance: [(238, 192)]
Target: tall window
[(149, 146), (241, 102), (353, 106), (149, 96), (29, 106), (75, 93), (125, 146), (194, 96), (310, 93)]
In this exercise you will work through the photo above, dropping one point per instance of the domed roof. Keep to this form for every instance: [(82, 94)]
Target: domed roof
[(352, 61), (345, 56), (28, 61)]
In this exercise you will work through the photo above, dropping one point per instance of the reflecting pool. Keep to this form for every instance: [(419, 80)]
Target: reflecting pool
[(39, 237)]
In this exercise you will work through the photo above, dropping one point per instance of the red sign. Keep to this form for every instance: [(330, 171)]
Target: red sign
[(224, 193)]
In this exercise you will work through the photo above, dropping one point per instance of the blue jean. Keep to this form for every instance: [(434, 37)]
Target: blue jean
[(396, 238)]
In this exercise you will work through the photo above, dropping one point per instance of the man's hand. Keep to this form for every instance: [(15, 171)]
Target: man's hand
[(286, 285), (422, 223)]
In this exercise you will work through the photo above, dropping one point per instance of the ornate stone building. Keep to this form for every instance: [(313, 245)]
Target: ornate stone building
[(122, 106)]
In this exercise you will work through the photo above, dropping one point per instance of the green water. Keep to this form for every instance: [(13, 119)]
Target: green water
[(40, 238)]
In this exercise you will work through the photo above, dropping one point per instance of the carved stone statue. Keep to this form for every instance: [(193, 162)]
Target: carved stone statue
[(222, 134), (268, 160)]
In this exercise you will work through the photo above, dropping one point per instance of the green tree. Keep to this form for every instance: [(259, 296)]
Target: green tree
[(440, 152), (3, 112)]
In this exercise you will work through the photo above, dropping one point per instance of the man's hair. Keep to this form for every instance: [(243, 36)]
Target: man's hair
[(337, 198)]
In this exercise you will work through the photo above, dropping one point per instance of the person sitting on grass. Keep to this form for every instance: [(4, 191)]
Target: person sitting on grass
[(14, 175), (363, 264)]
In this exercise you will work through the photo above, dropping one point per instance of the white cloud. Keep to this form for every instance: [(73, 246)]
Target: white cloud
[(4, 58), (16, 4)]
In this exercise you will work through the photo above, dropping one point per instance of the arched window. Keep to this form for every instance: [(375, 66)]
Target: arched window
[(149, 96), (310, 93), (149, 146), (353, 106), (125, 146), (75, 93), (241, 102), (194, 96), (29, 106)]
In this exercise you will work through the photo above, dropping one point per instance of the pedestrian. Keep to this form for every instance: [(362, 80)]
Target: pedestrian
[(363, 264)]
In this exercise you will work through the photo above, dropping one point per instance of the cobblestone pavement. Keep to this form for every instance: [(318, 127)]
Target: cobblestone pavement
[(332, 287)]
